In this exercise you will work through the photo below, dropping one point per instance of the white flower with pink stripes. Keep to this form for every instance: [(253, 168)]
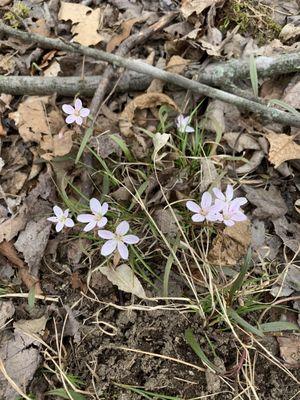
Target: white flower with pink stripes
[(76, 113), (118, 240), (96, 219), (61, 218)]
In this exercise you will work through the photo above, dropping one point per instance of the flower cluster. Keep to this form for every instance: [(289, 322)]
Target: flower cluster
[(115, 241), (224, 208), (76, 113)]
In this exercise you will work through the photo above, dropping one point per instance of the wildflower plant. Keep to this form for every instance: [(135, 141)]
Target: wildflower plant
[(76, 113), (224, 208), (182, 124), (61, 218), (118, 240), (97, 218)]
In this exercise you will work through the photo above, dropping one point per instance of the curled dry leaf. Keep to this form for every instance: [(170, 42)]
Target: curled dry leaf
[(85, 22), (189, 7), (252, 164), (147, 100), (124, 278), (231, 245), (269, 203), (159, 141), (282, 148)]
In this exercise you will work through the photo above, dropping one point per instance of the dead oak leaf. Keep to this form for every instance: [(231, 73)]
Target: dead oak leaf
[(188, 7), (31, 118), (282, 148), (231, 244), (85, 22), (290, 349), (147, 100)]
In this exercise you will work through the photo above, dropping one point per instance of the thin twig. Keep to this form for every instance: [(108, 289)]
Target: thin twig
[(269, 113)]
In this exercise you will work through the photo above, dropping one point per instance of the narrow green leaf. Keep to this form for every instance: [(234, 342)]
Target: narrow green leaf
[(86, 138), (253, 75), (279, 326), (168, 267), (123, 146), (244, 324), (140, 191), (64, 395), (237, 284), (191, 340), (284, 105), (31, 297)]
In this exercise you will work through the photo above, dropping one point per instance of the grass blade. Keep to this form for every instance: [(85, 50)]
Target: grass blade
[(237, 284), (168, 267), (123, 146), (253, 75), (86, 138), (244, 324), (191, 340), (279, 326), (284, 105), (64, 395)]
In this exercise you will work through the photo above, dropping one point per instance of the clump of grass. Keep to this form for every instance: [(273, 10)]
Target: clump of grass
[(252, 17), (18, 12)]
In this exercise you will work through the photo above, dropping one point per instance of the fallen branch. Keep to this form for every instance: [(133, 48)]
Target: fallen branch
[(223, 74), (269, 113)]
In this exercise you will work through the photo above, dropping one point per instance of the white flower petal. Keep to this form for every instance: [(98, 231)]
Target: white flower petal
[(229, 193), (198, 218), (70, 119), (192, 206), (122, 228), (86, 218), (228, 222), (59, 226), (239, 216), (130, 239), (78, 104), (69, 223), (102, 222), (219, 195), (104, 208), (213, 216), (90, 226), (206, 200), (106, 234), (66, 213), (84, 112), (52, 219), (68, 109), (123, 251), (79, 120), (189, 129), (108, 247), (95, 206), (58, 211)]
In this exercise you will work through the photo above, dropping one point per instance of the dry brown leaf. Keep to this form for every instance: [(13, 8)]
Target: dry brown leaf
[(11, 227), (31, 129), (7, 64), (289, 31), (85, 22), (290, 349), (126, 27), (231, 244), (189, 7), (53, 69), (40, 27), (282, 148), (147, 100)]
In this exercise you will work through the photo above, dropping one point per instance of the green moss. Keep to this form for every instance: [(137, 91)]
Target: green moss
[(17, 13), (253, 19)]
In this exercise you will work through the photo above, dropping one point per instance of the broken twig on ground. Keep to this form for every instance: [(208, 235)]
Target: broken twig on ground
[(269, 113)]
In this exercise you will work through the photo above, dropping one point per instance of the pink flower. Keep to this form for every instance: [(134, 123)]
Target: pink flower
[(208, 211), (61, 219), (95, 219), (117, 240), (231, 213), (182, 124), (75, 114), (227, 198)]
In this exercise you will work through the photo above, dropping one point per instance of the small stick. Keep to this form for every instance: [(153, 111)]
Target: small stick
[(269, 113)]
